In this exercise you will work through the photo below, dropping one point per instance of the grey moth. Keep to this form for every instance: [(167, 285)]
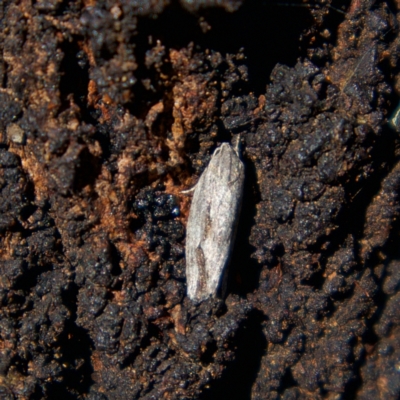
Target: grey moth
[(212, 222)]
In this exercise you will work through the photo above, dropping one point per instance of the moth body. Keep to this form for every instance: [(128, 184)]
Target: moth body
[(212, 222)]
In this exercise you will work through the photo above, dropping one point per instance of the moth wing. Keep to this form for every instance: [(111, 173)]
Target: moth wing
[(212, 222), (196, 225), (224, 208)]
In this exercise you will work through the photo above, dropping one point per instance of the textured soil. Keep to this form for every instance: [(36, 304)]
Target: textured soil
[(109, 110)]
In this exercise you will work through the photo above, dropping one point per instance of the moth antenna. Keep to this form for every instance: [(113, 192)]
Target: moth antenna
[(237, 142)]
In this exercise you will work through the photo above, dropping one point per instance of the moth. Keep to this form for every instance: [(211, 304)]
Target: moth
[(212, 222)]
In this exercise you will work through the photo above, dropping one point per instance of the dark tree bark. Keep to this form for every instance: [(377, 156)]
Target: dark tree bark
[(109, 110)]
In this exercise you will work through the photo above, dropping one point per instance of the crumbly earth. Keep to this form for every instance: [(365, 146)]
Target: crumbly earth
[(109, 110)]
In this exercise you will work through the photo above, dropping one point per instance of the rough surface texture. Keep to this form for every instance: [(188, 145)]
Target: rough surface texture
[(109, 110)]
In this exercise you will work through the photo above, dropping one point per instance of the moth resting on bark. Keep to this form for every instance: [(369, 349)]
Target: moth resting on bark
[(212, 222)]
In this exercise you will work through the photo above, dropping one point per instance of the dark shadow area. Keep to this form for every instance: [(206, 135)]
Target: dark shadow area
[(130, 359), (115, 262), (54, 8), (384, 157), (76, 348), (316, 280), (371, 338), (87, 171), (238, 378), (244, 271), (267, 33), (76, 355), (74, 79), (208, 356), (287, 381), (29, 207), (32, 272)]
